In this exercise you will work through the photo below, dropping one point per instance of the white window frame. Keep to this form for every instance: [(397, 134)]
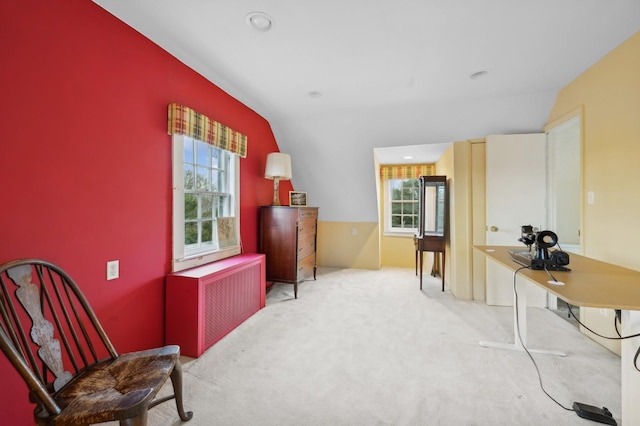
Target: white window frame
[(185, 257), (388, 229)]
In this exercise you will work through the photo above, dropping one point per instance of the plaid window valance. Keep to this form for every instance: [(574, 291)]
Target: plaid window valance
[(185, 121), (407, 171)]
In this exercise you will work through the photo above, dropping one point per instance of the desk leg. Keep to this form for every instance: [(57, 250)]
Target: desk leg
[(519, 315), (421, 259), (630, 376), (444, 258)]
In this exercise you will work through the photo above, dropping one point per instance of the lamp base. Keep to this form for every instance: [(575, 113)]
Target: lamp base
[(276, 192)]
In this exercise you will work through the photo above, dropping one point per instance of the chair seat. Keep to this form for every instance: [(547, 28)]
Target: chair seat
[(116, 388)]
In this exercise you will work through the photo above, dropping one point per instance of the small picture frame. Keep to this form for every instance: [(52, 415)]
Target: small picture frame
[(227, 235), (298, 199)]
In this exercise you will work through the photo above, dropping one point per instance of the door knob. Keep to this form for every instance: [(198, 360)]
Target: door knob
[(493, 229)]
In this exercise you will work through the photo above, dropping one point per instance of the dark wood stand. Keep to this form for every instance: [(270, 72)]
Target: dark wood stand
[(432, 244), (433, 219)]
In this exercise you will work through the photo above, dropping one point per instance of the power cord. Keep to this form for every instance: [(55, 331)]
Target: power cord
[(590, 412), (620, 337), (515, 292)]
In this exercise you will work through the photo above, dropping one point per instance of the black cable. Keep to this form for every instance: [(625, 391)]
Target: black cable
[(549, 273), (600, 335), (515, 292), (615, 324)]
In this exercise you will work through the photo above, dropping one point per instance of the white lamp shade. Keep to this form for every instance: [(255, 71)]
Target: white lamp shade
[(278, 166)]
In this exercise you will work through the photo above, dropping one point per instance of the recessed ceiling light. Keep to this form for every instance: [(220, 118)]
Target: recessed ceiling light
[(259, 21), (314, 94), (408, 157), (479, 74)]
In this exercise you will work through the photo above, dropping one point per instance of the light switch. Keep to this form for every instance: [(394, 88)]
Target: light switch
[(591, 197)]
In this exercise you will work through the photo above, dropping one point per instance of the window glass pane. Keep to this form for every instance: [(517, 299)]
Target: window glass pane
[(223, 207), (207, 206), (223, 181), (407, 208), (207, 232), (190, 206), (217, 156), (411, 187), (203, 154), (407, 221), (396, 208), (395, 221), (189, 180), (216, 177), (190, 233), (188, 150), (395, 188), (203, 182)]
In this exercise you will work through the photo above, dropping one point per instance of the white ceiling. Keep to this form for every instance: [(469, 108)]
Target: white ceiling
[(390, 73)]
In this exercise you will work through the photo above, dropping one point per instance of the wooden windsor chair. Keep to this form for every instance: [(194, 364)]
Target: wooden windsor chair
[(52, 337)]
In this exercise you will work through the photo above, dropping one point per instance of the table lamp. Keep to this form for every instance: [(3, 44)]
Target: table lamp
[(278, 168)]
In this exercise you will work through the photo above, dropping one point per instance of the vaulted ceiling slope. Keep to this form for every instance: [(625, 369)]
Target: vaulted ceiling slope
[(338, 78)]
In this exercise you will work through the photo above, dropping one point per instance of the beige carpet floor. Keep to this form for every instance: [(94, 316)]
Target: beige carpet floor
[(362, 347)]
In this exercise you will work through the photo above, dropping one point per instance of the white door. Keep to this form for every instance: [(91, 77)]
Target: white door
[(516, 196), (564, 171)]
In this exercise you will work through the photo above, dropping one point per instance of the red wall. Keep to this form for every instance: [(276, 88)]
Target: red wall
[(85, 164)]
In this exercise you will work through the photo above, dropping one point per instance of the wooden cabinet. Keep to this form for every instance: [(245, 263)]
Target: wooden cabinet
[(432, 222), (288, 239)]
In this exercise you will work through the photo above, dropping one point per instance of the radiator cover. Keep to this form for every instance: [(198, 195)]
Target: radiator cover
[(204, 304)]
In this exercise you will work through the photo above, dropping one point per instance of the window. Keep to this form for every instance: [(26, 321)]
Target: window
[(401, 206), (205, 203)]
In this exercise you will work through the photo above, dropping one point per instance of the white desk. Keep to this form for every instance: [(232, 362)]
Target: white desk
[(595, 284)]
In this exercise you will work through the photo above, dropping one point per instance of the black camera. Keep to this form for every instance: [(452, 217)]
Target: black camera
[(544, 240)]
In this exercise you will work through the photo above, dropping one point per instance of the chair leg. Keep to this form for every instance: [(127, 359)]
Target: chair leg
[(176, 381), (140, 420)]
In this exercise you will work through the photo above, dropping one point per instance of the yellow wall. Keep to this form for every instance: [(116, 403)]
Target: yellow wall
[(609, 94), (455, 163), (400, 252), (338, 247), (479, 217)]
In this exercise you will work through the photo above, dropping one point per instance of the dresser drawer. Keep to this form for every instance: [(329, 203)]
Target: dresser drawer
[(307, 213), (306, 267), (306, 227), (306, 246)]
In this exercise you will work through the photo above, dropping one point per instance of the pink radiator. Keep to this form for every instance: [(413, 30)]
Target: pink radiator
[(204, 304)]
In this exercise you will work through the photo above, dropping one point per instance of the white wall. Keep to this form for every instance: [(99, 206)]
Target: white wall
[(341, 181)]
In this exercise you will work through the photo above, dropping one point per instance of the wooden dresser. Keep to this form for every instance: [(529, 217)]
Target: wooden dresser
[(288, 239)]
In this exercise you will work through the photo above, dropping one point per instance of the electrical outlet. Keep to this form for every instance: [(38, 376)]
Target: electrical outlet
[(354, 231), (113, 269)]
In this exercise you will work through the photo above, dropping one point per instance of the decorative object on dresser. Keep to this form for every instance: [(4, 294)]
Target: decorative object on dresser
[(297, 198), (432, 223), (278, 168), (205, 303), (288, 239), (75, 376)]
